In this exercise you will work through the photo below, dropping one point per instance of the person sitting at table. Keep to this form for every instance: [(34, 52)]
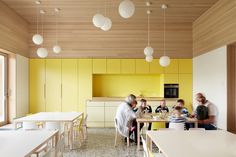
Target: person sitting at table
[(148, 109), (125, 116), (205, 112), (162, 107), (177, 116), (184, 111)]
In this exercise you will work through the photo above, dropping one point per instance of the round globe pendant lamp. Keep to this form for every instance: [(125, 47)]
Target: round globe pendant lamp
[(148, 51), (56, 48), (149, 58), (107, 25), (164, 60), (37, 38), (126, 9), (42, 52), (98, 20)]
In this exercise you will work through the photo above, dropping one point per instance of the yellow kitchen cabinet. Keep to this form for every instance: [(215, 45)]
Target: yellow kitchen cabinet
[(99, 66), (53, 85), (171, 78), (185, 89), (69, 85), (185, 66), (95, 111), (155, 67), (127, 66), (110, 112), (113, 66), (173, 68), (37, 85), (141, 66), (84, 82)]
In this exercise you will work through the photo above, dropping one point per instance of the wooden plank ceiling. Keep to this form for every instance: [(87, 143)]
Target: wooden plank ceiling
[(127, 37)]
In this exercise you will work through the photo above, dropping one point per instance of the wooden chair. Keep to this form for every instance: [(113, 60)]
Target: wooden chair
[(117, 132), (85, 127), (147, 152), (177, 126), (78, 130)]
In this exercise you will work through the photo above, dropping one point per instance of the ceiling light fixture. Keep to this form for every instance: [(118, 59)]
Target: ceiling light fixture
[(98, 19), (148, 51), (42, 52), (126, 9), (108, 23), (56, 48), (164, 60), (37, 38)]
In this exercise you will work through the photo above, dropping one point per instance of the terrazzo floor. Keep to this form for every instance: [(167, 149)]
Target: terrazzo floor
[(100, 143)]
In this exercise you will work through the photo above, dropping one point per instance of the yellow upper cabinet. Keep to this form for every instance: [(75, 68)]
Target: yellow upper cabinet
[(141, 66), (171, 78), (155, 67), (185, 66), (173, 68), (99, 66), (53, 85), (113, 66), (69, 85), (37, 85), (127, 66)]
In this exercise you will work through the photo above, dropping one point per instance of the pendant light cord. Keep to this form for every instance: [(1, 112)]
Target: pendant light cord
[(42, 24), (164, 31), (148, 29), (37, 10), (56, 28)]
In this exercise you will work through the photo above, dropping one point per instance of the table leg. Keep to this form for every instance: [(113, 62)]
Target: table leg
[(196, 124), (71, 135), (138, 134)]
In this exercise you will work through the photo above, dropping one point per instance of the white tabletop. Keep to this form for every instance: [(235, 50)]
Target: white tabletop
[(195, 143), (51, 116), (22, 143)]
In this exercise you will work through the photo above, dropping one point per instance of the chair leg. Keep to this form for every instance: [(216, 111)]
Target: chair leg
[(127, 141), (116, 138)]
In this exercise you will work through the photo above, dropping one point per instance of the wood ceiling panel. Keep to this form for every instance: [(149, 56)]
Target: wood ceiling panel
[(127, 38)]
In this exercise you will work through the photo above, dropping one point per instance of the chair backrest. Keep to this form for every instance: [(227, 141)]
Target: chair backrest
[(177, 126), (29, 126), (146, 153), (53, 126), (199, 129)]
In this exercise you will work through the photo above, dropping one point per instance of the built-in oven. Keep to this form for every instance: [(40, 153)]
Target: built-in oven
[(171, 90)]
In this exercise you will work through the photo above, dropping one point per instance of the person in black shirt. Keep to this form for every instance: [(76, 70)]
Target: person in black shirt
[(162, 107)]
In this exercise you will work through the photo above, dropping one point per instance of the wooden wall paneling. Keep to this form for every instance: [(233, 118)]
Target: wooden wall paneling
[(215, 28), (14, 31), (231, 81)]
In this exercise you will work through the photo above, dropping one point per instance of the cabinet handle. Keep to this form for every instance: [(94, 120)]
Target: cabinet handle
[(61, 90), (44, 91)]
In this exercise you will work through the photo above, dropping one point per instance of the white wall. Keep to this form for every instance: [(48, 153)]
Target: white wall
[(22, 86), (210, 78)]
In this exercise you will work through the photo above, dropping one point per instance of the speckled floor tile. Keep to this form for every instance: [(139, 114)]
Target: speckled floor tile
[(100, 143)]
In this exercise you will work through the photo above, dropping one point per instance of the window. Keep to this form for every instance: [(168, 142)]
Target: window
[(3, 88)]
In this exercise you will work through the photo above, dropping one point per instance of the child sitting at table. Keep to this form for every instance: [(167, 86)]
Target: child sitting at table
[(177, 115)]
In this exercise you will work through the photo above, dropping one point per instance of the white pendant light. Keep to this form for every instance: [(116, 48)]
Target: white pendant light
[(149, 58), (37, 38), (164, 60), (56, 48), (42, 52), (126, 9), (148, 51), (107, 25), (98, 20)]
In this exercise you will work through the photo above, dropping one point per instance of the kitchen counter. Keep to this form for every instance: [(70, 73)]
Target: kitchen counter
[(123, 98)]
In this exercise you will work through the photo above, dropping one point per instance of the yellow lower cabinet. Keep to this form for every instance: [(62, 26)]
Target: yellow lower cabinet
[(110, 112)]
